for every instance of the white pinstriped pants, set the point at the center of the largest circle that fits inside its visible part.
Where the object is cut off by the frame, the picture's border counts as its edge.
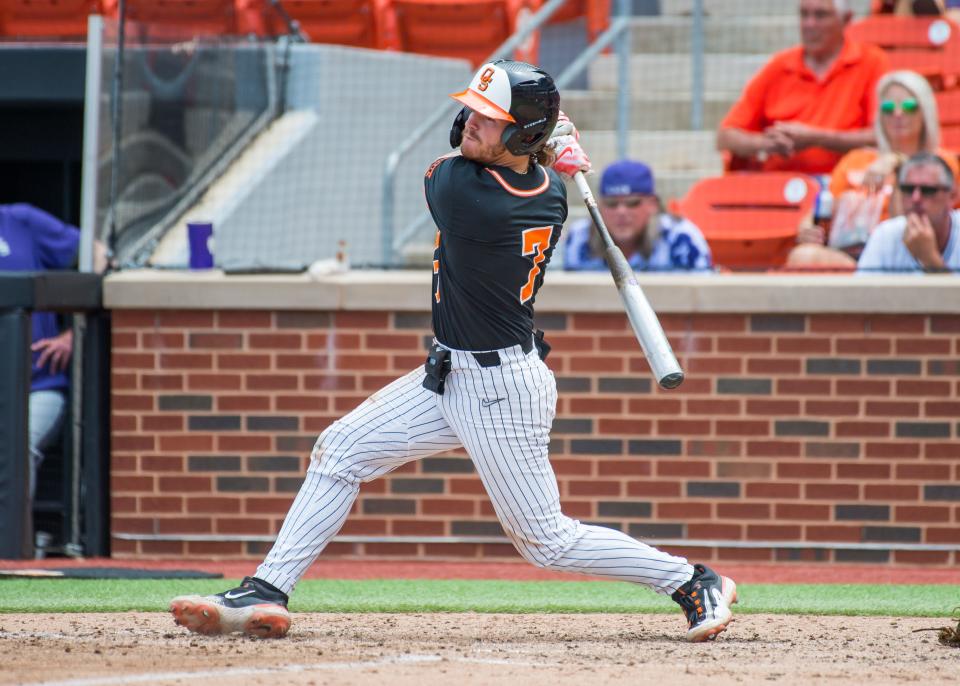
(502, 416)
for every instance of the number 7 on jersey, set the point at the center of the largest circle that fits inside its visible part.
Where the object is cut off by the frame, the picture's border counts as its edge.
(535, 242)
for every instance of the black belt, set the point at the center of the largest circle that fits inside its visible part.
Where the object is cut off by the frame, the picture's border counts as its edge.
(492, 358)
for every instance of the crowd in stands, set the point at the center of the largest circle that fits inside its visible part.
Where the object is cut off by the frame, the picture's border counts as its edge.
(834, 109)
(847, 112)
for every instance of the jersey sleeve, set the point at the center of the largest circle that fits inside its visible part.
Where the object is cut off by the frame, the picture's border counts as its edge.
(874, 258)
(438, 186)
(747, 112)
(56, 242)
(556, 181)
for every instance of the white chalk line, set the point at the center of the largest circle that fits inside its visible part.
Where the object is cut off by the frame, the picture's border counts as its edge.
(285, 669)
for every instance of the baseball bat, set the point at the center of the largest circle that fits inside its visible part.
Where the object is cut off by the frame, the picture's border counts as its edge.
(642, 318)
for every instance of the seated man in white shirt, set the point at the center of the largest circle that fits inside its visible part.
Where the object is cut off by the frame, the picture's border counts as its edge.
(927, 236)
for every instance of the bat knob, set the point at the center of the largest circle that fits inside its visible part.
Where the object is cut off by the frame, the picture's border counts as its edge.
(671, 380)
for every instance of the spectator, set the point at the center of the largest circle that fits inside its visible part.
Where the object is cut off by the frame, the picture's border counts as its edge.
(810, 103)
(862, 184)
(32, 240)
(917, 8)
(927, 237)
(650, 239)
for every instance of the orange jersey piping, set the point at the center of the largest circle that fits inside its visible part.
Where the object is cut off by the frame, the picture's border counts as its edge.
(516, 191)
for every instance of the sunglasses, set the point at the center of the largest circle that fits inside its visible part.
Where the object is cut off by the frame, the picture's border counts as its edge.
(925, 191)
(614, 203)
(908, 106)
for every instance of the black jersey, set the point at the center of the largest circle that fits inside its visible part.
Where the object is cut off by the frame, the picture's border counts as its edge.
(496, 231)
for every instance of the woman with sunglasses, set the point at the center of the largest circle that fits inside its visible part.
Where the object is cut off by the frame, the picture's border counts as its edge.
(862, 184)
(650, 239)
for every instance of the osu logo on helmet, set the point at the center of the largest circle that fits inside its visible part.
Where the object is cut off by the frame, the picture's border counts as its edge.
(485, 78)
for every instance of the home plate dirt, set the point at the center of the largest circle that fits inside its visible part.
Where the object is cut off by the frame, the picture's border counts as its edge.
(465, 649)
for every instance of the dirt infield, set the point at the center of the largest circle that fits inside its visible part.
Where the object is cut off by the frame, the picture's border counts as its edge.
(466, 649)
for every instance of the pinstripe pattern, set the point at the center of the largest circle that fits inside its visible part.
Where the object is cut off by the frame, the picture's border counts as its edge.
(502, 415)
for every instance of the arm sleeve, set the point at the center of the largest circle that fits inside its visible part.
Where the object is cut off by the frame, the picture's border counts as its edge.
(839, 181)
(747, 112)
(871, 260)
(437, 188)
(56, 241)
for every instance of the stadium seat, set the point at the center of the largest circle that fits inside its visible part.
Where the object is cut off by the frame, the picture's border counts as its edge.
(948, 107)
(467, 29)
(193, 17)
(342, 22)
(61, 19)
(597, 13)
(750, 219)
(928, 45)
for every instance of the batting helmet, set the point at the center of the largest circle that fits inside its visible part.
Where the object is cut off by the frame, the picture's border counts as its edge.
(517, 92)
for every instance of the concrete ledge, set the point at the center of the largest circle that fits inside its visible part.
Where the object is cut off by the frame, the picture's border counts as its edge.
(564, 292)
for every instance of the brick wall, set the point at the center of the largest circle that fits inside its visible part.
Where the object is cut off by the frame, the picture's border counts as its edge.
(789, 428)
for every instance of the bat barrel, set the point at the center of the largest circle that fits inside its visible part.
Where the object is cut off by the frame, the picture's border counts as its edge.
(643, 320)
(654, 342)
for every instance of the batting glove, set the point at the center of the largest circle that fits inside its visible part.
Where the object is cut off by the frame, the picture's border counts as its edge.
(571, 158)
(564, 127)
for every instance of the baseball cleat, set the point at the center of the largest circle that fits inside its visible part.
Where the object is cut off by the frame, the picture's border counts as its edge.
(254, 608)
(706, 601)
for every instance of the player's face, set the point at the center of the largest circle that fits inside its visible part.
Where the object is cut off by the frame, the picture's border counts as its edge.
(626, 216)
(481, 139)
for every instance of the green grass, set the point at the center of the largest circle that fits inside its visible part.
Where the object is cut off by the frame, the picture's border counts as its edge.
(74, 595)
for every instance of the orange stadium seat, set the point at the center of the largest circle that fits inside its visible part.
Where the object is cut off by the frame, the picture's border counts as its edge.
(750, 219)
(197, 17)
(343, 22)
(597, 13)
(46, 18)
(948, 106)
(928, 45)
(468, 29)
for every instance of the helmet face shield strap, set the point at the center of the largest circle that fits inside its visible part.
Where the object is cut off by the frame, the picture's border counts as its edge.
(516, 92)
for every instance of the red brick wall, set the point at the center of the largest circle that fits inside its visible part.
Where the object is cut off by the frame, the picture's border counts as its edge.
(841, 428)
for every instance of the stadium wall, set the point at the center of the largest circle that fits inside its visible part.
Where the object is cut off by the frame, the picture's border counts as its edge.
(818, 421)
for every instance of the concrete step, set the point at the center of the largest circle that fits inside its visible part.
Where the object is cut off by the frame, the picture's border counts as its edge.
(667, 111)
(674, 34)
(652, 75)
(666, 152)
(747, 8)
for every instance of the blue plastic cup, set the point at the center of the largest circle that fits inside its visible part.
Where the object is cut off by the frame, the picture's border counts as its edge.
(200, 236)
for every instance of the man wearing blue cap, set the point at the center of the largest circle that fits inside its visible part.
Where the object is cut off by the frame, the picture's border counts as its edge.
(651, 239)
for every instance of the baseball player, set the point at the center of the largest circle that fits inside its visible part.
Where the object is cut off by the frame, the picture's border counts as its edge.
(498, 208)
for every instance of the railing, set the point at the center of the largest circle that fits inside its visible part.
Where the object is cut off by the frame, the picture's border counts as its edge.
(390, 245)
(619, 31)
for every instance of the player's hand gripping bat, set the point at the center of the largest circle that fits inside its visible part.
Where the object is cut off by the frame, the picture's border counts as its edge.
(642, 318)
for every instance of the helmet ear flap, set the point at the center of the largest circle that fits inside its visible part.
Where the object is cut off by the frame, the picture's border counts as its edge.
(456, 130)
(510, 137)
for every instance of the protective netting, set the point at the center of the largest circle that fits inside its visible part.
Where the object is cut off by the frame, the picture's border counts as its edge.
(183, 108)
(284, 147)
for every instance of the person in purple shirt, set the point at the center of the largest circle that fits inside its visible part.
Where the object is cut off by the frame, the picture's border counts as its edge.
(32, 240)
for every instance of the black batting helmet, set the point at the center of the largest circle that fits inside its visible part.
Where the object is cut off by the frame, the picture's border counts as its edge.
(519, 93)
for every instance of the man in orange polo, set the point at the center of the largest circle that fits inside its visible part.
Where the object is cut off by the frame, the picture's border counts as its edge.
(811, 103)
